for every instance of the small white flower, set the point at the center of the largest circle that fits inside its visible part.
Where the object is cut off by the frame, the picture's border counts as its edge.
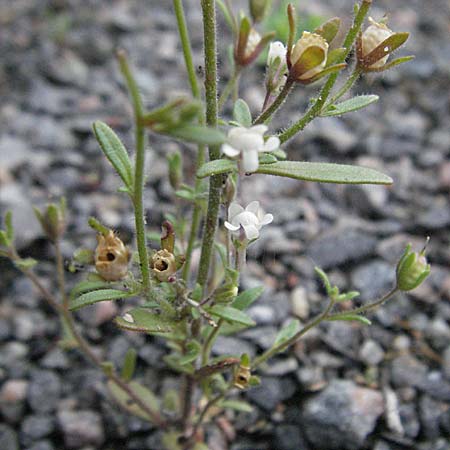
(249, 142)
(251, 219)
(254, 38)
(276, 50)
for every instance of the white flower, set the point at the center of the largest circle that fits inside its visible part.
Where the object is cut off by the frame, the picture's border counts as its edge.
(251, 219)
(276, 50)
(372, 37)
(254, 38)
(249, 142)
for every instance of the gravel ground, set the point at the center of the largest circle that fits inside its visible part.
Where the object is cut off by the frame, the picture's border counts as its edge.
(344, 386)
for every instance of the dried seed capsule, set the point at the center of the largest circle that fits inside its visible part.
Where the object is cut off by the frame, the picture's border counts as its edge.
(164, 265)
(111, 257)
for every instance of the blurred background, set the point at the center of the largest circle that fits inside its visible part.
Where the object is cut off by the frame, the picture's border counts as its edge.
(344, 386)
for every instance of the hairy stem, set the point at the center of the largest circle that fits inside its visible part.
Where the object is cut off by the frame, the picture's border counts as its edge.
(316, 108)
(279, 100)
(138, 170)
(346, 86)
(229, 88)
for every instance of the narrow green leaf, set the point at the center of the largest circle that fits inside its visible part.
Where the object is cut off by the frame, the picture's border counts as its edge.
(9, 226)
(246, 298)
(335, 55)
(392, 64)
(287, 332)
(329, 29)
(87, 286)
(129, 364)
(4, 239)
(237, 405)
(25, 263)
(147, 321)
(347, 296)
(101, 295)
(352, 104)
(115, 151)
(216, 167)
(173, 362)
(231, 314)
(325, 172)
(267, 158)
(324, 277)
(192, 351)
(242, 114)
(350, 317)
(127, 403)
(198, 134)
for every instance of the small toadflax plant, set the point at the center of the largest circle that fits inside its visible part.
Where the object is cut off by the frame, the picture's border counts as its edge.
(165, 294)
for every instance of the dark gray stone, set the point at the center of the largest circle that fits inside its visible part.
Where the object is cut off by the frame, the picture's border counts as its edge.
(44, 391)
(8, 438)
(409, 419)
(406, 371)
(373, 279)
(271, 392)
(229, 345)
(341, 246)
(429, 412)
(42, 445)
(341, 416)
(288, 437)
(36, 427)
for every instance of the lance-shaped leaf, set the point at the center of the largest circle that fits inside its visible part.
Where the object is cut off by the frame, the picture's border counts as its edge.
(87, 286)
(236, 405)
(391, 64)
(287, 332)
(246, 298)
(216, 167)
(325, 172)
(352, 104)
(329, 29)
(115, 151)
(242, 114)
(193, 349)
(127, 403)
(198, 134)
(350, 318)
(101, 295)
(146, 321)
(231, 314)
(129, 364)
(266, 158)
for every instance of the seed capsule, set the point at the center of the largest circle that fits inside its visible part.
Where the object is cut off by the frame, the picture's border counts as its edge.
(412, 269)
(111, 257)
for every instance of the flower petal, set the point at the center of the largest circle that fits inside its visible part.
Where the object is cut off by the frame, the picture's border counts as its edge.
(251, 232)
(253, 207)
(230, 226)
(268, 218)
(250, 161)
(234, 209)
(271, 144)
(230, 151)
(259, 129)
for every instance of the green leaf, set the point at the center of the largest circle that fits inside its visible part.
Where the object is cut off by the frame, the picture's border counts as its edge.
(242, 114)
(392, 64)
(115, 151)
(350, 317)
(129, 364)
(246, 298)
(127, 403)
(25, 263)
(347, 296)
(237, 405)
(147, 321)
(9, 226)
(173, 362)
(100, 295)
(324, 277)
(352, 104)
(216, 167)
(329, 29)
(87, 286)
(231, 314)
(325, 172)
(198, 134)
(4, 239)
(84, 256)
(192, 351)
(287, 332)
(267, 158)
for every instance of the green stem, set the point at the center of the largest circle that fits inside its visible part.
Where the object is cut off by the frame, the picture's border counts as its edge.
(186, 45)
(317, 107)
(347, 86)
(138, 170)
(207, 407)
(366, 308)
(210, 342)
(279, 100)
(229, 88)
(283, 346)
(215, 184)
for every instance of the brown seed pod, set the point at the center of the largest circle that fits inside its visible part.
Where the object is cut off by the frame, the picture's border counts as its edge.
(111, 257)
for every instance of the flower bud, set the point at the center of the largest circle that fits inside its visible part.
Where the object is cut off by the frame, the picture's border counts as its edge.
(372, 37)
(242, 373)
(164, 265)
(175, 163)
(412, 269)
(308, 57)
(258, 9)
(53, 219)
(111, 257)
(276, 50)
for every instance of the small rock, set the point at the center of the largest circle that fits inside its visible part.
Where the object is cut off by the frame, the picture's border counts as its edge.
(288, 437)
(13, 152)
(406, 371)
(44, 391)
(8, 438)
(36, 427)
(446, 362)
(300, 304)
(429, 412)
(409, 419)
(229, 345)
(280, 367)
(341, 246)
(67, 69)
(55, 359)
(373, 279)
(371, 353)
(264, 336)
(341, 416)
(271, 392)
(13, 391)
(437, 217)
(42, 445)
(81, 428)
